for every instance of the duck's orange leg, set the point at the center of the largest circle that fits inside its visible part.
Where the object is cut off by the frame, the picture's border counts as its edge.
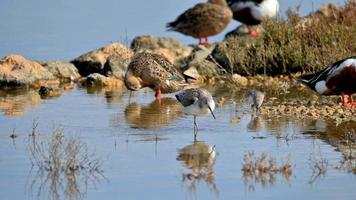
(158, 94)
(252, 32)
(203, 41)
(343, 100)
(351, 101)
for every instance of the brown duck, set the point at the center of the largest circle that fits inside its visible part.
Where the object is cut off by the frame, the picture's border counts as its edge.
(155, 71)
(203, 20)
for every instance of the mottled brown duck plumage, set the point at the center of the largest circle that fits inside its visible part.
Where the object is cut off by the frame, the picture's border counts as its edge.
(155, 71)
(203, 20)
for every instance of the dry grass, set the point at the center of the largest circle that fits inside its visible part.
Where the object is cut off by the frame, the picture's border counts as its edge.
(319, 166)
(293, 45)
(263, 169)
(63, 164)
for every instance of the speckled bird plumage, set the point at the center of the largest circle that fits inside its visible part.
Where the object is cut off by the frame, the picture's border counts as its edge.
(203, 20)
(155, 71)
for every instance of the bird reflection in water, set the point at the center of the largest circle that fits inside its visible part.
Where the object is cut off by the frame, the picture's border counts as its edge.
(200, 159)
(256, 124)
(154, 115)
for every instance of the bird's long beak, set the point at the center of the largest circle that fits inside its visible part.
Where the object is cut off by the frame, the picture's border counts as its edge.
(211, 112)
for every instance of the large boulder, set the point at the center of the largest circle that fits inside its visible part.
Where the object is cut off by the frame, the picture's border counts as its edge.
(94, 61)
(116, 67)
(64, 71)
(171, 48)
(201, 61)
(16, 70)
(96, 79)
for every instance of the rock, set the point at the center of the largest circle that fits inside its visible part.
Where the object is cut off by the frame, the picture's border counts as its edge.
(49, 92)
(64, 71)
(201, 60)
(242, 31)
(94, 61)
(96, 79)
(16, 70)
(116, 67)
(171, 48)
(240, 80)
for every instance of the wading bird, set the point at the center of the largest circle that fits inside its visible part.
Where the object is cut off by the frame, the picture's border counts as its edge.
(253, 12)
(155, 71)
(203, 20)
(196, 101)
(337, 79)
(256, 98)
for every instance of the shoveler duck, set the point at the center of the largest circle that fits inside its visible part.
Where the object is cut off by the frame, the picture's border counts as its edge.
(337, 79)
(203, 20)
(196, 101)
(155, 71)
(253, 12)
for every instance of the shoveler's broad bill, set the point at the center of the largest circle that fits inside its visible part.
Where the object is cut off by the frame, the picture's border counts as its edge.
(196, 101)
(154, 71)
(203, 20)
(337, 79)
(253, 12)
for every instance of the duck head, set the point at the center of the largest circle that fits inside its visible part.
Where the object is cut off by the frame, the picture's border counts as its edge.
(132, 82)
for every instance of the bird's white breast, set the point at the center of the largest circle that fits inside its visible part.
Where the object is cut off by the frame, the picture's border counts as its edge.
(267, 9)
(195, 109)
(320, 87)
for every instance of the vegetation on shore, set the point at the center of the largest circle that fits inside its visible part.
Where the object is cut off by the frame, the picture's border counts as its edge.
(295, 44)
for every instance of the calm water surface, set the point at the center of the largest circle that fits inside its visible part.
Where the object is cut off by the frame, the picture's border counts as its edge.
(148, 149)
(65, 29)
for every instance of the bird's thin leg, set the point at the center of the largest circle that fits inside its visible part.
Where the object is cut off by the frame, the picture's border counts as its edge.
(343, 99)
(130, 96)
(195, 127)
(351, 101)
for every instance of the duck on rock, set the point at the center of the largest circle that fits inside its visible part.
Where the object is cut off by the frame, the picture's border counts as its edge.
(203, 20)
(337, 79)
(253, 12)
(155, 71)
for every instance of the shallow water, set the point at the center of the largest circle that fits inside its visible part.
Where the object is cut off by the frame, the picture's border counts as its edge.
(147, 150)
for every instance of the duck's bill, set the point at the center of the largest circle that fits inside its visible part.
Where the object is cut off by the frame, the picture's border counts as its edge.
(211, 111)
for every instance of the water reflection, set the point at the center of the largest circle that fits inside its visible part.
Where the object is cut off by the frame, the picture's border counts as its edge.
(342, 137)
(154, 115)
(263, 169)
(256, 124)
(16, 102)
(113, 95)
(199, 158)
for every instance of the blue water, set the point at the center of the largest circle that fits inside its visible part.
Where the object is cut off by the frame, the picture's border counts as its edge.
(65, 29)
(121, 132)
